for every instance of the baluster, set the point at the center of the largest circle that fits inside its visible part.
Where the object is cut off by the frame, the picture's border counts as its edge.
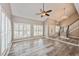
(67, 32)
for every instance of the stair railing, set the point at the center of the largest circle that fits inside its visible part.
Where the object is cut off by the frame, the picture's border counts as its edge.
(72, 27)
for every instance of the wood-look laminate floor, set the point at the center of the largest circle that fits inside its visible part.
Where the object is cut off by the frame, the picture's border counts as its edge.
(43, 47)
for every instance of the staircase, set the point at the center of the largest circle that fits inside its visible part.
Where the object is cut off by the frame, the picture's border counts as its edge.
(73, 30)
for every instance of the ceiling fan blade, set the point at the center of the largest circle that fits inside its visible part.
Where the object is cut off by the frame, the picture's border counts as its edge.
(49, 11)
(47, 14)
(38, 13)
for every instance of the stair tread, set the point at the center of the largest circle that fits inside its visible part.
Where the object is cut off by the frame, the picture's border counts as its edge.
(76, 37)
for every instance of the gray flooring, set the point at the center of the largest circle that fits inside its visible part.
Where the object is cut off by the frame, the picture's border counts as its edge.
(43, 47)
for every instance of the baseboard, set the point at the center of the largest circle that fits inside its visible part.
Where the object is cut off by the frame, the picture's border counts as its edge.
(24, 39)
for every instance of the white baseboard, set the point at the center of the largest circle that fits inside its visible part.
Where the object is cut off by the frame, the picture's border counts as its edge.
(24, 39)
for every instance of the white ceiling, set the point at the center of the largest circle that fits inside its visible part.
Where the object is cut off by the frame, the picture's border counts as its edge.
(29, 10)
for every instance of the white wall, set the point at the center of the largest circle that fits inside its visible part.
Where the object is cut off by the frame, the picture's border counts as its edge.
(70, 20)
(19, 19)
(77, 7)
(45, 28)
(49, 27)
(7, 8)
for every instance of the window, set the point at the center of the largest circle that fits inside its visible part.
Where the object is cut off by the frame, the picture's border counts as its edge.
(8, 30)
(16, 28)
(21, 30)
(5, 31)
(65, 29)
(38, 30)
(57, 29)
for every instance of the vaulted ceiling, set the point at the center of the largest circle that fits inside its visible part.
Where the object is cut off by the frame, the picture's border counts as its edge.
(29, 10)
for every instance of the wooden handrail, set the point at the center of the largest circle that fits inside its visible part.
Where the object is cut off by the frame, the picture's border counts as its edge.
(74, 22)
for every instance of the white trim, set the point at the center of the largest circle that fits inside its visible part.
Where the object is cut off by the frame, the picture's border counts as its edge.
(24, 39)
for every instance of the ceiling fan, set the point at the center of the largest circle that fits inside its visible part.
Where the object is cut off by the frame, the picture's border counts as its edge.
(43, 12)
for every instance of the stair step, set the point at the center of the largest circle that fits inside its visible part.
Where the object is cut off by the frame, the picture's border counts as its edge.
(74, 37)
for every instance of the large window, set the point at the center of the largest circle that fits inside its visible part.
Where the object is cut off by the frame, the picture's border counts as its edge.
(5, 31)
(27, 30)
(21, 30)
(57, 29)
(38, 30)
